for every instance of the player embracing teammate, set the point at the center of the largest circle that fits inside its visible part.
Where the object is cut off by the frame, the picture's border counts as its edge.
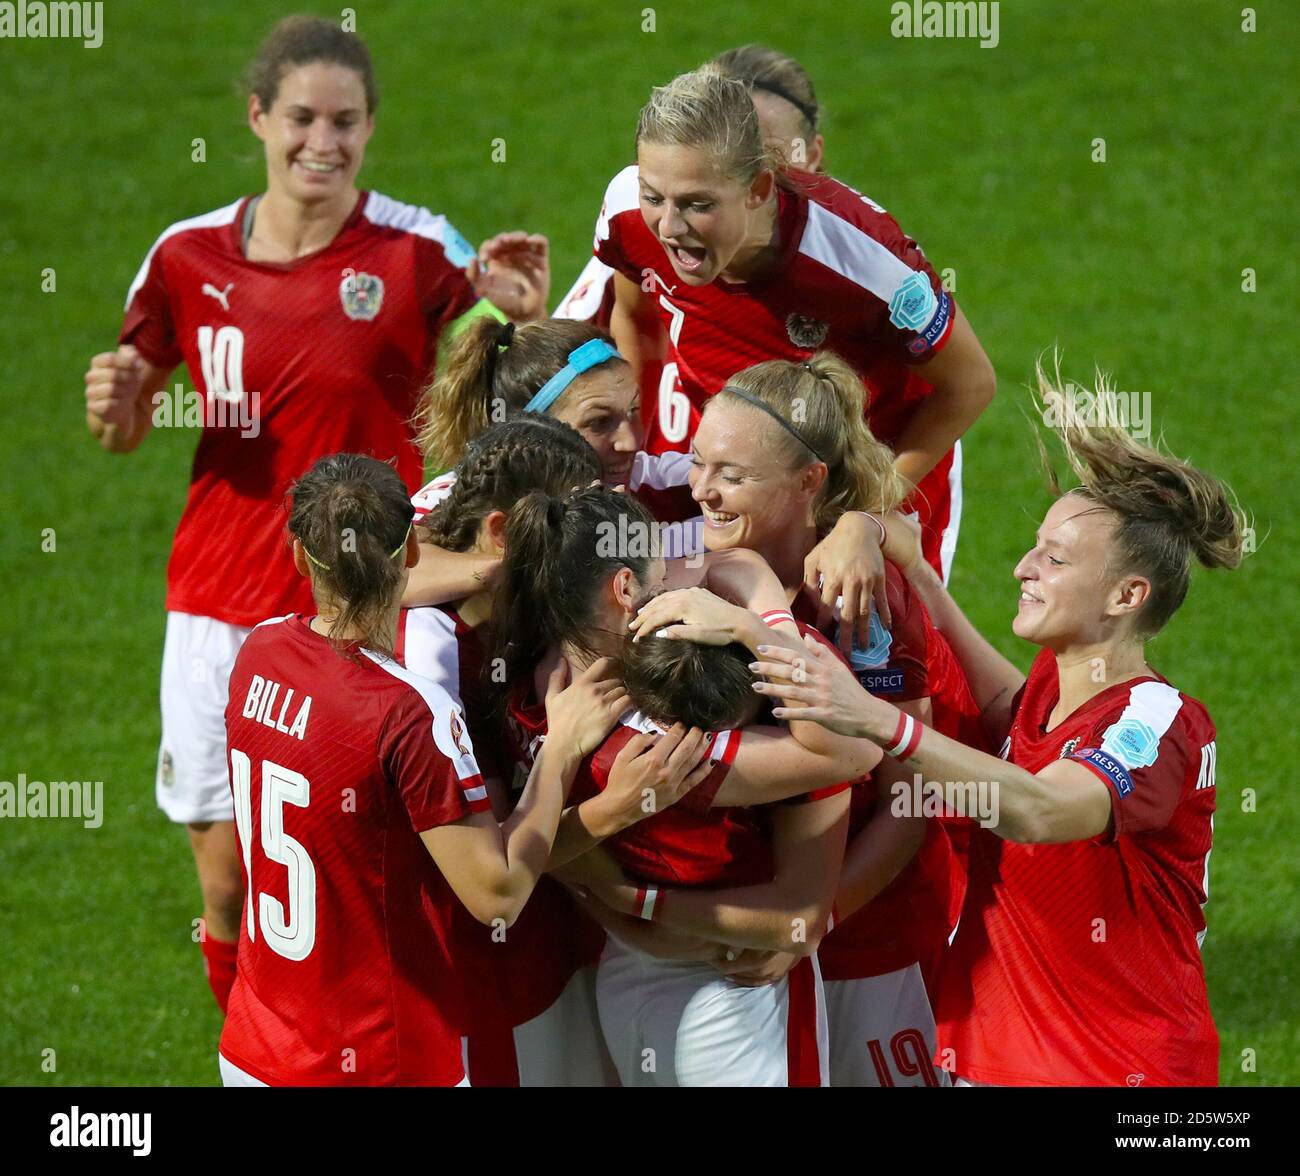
(725, 256)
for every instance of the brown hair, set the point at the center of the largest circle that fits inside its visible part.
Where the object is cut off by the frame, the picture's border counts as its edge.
(823, 402)
(707, 109)
(493, 368)
(352, 515)
(1168, 510)
(526, 452)
(672, 680)
(560, 553)
(305, 40)
(761, 68)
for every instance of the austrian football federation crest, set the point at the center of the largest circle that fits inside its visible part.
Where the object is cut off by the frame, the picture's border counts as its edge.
(805, 331)
(362, 295)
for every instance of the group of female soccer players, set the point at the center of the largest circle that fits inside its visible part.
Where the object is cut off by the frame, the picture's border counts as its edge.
(600, 758)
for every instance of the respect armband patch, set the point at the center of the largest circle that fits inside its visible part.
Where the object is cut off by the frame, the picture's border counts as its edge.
(937, 330)
(1106, 764)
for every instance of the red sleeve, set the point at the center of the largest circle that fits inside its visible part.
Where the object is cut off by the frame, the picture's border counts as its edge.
(910, 634)
(428, 756)
(722, 750)
(610, 251)
(1148, 774)
(622, 201)
(148, 325)
(921, 311)
(444, 291)
(819, 793)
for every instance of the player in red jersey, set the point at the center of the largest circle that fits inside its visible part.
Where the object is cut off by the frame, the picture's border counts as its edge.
(308, 317)
(788, 114)
(737, 259)
(574, 569)
(571, 372)
(1077, 959)
(781, 453)
(342, 763)
(530, 1015)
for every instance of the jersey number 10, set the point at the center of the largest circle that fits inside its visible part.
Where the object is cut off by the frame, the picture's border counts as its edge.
(221, 353)
(290, 933)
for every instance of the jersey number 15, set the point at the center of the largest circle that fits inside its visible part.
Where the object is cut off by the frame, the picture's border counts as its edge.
(291, 933)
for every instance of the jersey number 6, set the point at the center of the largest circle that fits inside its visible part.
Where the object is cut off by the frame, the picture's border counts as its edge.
(674, 407)
(291, 934)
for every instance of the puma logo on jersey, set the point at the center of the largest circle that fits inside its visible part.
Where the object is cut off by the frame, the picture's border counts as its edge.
(220, 295)
(653, 274)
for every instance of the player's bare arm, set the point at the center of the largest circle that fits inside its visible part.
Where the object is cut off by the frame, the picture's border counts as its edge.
(964, 385)
(882, 848)
(635, 324)
(649, 774)
(1064, 802)
(442, 576)
(120, 387)
(789, 913)
(492, 867)
(993, 679)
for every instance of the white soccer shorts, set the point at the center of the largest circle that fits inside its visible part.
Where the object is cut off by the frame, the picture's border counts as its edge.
(882, 1031)
(670, 1023)
(193, 781)
(562, 1046)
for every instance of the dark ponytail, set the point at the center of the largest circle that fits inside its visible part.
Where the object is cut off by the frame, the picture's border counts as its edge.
(560, 554)
(352, 515)
(526, 452)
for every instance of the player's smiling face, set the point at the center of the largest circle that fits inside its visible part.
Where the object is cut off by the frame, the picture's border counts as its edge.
(315, 132)
(747, 497)
(604, 405)
(704, 219)
(1068, 595)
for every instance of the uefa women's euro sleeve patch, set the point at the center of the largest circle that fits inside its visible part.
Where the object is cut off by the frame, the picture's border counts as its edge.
(1143, 755)
(915, 306)
(459, 251)
(1126, 746)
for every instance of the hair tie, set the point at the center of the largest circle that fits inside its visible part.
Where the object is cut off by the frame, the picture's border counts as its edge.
(809, 112)
(506, 335)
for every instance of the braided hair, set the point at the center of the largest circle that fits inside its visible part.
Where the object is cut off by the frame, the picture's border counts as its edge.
(527, 451)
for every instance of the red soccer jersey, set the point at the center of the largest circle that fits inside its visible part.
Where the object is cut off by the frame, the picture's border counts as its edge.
(1080, 964)
(438, 644)
(908, 921)
(848, 278)
(688, 844)
(323, 355)
(337, 766)
(895, 666)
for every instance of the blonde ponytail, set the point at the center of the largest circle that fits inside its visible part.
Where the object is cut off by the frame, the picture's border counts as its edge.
(823, 402)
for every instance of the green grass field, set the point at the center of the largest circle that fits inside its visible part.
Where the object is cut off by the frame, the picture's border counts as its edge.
(983, 154)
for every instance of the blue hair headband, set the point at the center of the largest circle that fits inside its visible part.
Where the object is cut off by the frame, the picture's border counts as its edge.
(581, 359)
